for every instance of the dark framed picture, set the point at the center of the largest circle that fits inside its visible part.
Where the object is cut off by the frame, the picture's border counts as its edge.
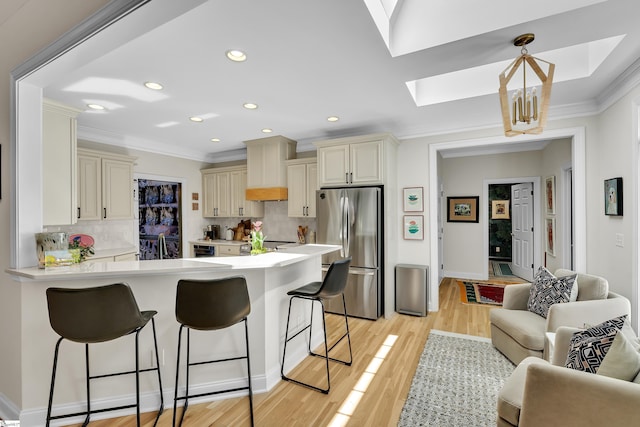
(613, 196)
(462, 209)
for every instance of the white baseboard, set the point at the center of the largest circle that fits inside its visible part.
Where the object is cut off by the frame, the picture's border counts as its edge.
(464, 275)
(8, 409)
(149, 402)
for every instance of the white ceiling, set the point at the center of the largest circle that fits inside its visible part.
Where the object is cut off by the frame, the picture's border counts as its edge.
(356, 59)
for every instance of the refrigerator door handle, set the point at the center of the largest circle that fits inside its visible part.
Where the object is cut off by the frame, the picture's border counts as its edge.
(362, 271)
(345, 224)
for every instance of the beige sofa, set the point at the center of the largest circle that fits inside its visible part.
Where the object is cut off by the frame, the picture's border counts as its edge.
(518, 333)
(539, 393)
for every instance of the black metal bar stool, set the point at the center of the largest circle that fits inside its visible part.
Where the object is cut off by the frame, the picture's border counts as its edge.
(94, 315)
(333, 285)
(208, 305)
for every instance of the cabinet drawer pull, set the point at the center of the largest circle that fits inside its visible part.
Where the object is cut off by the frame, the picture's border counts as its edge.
(78, 212)
(104, 216)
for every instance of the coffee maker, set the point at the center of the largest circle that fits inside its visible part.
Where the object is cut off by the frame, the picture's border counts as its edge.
(213, 232)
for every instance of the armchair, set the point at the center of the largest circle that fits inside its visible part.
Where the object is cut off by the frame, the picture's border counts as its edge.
(539, 393)
(518, 333)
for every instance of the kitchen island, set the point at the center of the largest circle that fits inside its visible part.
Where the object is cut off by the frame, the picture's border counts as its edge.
(269, 277)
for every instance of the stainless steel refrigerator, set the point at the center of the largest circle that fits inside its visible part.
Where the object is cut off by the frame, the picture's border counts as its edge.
(352, 218)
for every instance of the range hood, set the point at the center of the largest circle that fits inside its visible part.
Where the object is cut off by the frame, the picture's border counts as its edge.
(266, 167)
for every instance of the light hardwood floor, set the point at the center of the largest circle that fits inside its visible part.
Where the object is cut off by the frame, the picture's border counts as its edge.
(289, 404)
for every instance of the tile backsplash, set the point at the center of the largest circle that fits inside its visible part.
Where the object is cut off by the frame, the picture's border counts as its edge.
(276, 223)
(114, 234)
(120, 233)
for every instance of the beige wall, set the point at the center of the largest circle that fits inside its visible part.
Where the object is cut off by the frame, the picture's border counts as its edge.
(32, 26)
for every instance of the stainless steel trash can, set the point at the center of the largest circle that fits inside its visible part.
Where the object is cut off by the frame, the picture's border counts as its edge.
(412, 290)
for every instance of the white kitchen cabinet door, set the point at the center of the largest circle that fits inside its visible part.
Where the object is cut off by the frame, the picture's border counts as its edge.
(117, 190)
(59, 164)
(222, 196)
(302, 180)
(366, 163)
(312, 187)
(208, 195)
(297, 189)
(89, 187)
(334, 165)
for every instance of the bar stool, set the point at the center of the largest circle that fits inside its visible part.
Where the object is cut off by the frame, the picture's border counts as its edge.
(94, 315)
(208, 305)
(333, 285)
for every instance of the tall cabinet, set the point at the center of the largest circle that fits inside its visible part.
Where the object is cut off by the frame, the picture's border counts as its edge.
(59, 167)
(105, 185)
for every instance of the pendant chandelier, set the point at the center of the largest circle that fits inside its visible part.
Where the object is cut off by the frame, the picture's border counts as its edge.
(525, 100)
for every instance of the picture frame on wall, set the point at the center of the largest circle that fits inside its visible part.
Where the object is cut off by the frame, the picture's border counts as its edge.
(412, 199)
(613, 197)
(500, 209)
(550, 233)
(413, 227)
(550, 194)
(462, 209)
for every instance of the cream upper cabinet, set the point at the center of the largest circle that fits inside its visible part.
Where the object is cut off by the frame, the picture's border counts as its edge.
(89, 186)
(224, 193)
(302, 180)
(105, 185)
(59, 164)
(352, 161)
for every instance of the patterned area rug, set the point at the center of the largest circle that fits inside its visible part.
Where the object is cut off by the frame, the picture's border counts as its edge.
(456, 382)
(481, 293)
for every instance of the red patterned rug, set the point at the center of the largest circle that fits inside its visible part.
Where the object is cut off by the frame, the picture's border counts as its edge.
(481, 293)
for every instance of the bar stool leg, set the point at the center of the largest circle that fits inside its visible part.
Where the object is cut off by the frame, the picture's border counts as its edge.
(246, 332)
(53, 380)
(88, 377)
(155, 346)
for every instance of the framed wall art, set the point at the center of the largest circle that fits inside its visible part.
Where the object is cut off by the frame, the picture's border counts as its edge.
(413, 227)
(613, 196)
(550, 194)
(462, 209)
(550, 233)
(412, 199)
(500, 209)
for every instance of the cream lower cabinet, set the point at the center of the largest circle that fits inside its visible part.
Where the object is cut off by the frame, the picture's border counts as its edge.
(224, 194)
(302, 183)
(105, 186)
(351, 161)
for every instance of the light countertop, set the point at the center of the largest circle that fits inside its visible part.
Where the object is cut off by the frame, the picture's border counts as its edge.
(80, 271)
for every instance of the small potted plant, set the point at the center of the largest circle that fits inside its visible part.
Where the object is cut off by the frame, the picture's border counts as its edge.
(257, 239)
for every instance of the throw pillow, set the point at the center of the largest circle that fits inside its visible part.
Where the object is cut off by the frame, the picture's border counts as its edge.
(622, 360)
(547, 290)
(588, 348)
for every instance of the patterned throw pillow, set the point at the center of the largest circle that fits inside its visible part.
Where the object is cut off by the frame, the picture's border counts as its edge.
(547, 290)
(588, 348)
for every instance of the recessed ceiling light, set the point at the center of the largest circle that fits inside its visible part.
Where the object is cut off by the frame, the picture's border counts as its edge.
(333, 118)
(236, 55)
(196, 119)
(215, 139)
(154, 85)
(267, 130)
(250, 105)
(95, 106)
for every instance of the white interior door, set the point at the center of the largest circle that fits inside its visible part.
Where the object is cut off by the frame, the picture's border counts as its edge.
(522, 230)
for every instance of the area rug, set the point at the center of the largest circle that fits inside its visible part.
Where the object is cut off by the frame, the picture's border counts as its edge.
(501, 268)
(456, 382)
(481, 293)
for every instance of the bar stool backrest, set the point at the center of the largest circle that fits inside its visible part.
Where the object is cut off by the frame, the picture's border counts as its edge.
(91, 315)
(212, 304)
(336, 278)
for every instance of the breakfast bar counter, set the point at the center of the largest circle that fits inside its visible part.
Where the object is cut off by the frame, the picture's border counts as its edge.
(269, 277)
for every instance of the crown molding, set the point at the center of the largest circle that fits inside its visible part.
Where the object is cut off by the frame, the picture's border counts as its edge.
(622, 85)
